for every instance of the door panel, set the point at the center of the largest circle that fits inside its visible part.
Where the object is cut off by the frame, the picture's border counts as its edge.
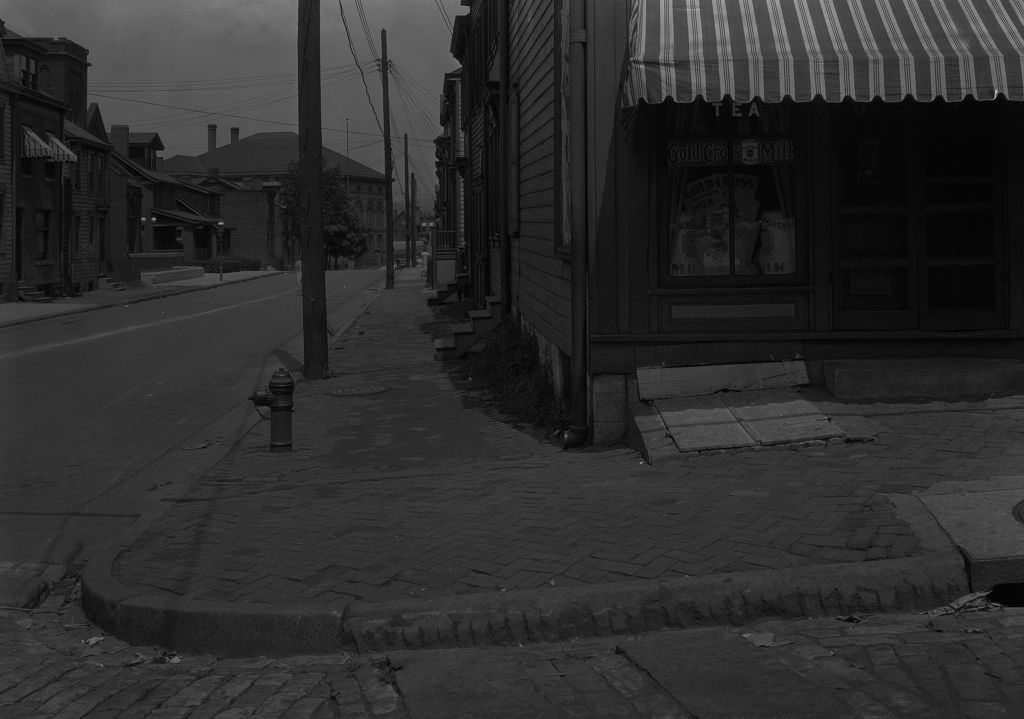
(918, 240)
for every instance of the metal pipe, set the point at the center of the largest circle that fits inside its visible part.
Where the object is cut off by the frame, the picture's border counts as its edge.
(506, 157)
(579, 411)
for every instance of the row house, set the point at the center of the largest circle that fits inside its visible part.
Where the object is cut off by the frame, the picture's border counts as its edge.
(448, 236)
(81, 204)
(657, 186)
(249, 173)
(35, 191)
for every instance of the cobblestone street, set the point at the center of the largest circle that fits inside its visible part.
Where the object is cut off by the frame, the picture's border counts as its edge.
(938, 664)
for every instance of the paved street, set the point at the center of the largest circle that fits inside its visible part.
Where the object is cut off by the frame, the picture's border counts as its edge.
(966, 665)
(93, 399)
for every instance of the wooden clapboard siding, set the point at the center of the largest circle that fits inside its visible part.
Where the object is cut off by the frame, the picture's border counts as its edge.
(540, 274)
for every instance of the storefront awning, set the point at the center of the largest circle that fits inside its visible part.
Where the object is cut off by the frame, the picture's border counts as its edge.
(33, 146)
(61, 152)
(861, 49)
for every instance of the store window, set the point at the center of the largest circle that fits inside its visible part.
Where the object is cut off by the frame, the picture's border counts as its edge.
(730, 195)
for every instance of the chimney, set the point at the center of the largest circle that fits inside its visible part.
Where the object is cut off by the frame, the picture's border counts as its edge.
(234, 135)
(119, 138)
(211, 138)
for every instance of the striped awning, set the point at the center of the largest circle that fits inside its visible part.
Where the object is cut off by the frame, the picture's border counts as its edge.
(836, 49)
(33, 146)
(60, 151)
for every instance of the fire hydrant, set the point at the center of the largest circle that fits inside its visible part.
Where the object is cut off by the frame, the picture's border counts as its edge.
(278, 396)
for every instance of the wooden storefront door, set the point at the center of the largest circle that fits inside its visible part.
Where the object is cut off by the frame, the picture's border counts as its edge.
(918, 236)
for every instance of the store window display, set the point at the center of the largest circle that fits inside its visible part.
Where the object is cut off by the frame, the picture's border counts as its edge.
(730, 191)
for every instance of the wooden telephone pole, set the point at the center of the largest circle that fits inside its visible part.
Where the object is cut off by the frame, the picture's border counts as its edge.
(389, 232)
(411, 247)
(408, 208)
(311, 226)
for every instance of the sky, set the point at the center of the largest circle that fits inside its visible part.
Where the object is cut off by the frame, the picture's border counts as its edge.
(175, 67)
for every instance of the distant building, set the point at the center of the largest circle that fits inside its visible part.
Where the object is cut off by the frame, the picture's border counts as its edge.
(167, 221)
(35, 193)
(249, 172)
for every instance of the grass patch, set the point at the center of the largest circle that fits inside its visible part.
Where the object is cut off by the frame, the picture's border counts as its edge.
(508, 371)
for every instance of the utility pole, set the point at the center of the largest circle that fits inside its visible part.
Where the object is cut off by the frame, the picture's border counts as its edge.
(408, 219)
(311, 226)
(389, 220)
(412, 222)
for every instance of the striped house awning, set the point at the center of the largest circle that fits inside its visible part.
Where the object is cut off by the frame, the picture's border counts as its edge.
(34, 147)
(60, 151)
(836, 49)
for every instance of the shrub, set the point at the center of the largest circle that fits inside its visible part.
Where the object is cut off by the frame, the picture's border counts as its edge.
(509, 370)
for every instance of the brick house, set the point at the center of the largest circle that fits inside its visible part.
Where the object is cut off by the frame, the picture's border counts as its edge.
(35, 187)
(249, 172)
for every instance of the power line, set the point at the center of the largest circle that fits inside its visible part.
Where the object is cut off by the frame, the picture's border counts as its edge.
(444, 14)
(352, 49)
(366, 30)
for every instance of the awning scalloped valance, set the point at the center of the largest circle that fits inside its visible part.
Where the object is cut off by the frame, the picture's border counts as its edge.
(833, 49)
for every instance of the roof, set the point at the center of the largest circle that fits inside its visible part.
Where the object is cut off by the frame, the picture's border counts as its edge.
(183, 165)
(80, 134)
(188, 217)
(271, 153)
(145, 138)
(835, 49)
(144, 172)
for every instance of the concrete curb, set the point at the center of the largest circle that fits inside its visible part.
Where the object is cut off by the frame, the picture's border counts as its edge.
(142, 616)
(136, 300)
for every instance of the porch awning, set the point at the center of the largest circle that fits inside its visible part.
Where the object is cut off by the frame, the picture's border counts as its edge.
(61, 152)
(861, 49)
(33, 146)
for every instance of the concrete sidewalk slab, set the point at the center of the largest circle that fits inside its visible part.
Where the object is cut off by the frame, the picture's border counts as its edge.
(416, 516)
(987, 528)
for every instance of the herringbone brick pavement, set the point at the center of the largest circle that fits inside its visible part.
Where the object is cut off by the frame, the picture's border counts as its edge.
(404, 485)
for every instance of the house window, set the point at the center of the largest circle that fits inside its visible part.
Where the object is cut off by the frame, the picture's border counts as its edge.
(51, 170)
(26, 71)
(76, 228)
(42, 235)
(728, 192)
(101, 227)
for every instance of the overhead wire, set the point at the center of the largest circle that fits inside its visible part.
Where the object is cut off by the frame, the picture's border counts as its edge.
(186, 117)
(355, 58)
(444, 14)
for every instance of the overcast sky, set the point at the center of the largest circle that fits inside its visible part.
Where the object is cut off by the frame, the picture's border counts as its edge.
(233, 63)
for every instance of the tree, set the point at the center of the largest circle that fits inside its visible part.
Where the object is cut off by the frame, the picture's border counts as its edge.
(343, 235)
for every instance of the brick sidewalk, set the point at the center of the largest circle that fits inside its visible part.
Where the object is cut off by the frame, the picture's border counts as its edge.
(403, 487)
(399, 489)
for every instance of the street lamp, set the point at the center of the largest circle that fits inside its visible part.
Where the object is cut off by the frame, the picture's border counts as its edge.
(143, 221)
